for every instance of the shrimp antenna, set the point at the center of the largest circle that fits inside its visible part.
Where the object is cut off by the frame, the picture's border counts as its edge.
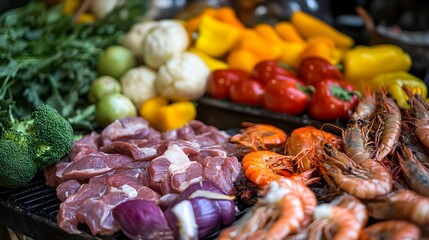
(331, 125)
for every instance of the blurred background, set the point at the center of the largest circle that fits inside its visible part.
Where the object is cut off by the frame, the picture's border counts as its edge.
(402, 22)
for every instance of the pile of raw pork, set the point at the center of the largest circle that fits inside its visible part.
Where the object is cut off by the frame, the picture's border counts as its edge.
(130, 160)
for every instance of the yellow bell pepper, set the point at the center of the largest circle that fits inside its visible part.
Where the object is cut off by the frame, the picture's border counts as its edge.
(364, 62)
(291, 52)
(323, 48)
(212, 63)
(70, 6)
(310, 26)
(191, 25)
(288, 32)
(164, 116)
(395, 82)
(216, 38)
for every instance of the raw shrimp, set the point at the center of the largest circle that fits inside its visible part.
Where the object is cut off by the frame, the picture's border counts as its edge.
(419, 108)
(415, 173)
(307, 196)
(259, 136)
(282, 211)
(333, 222)
(366, 108)
(392, 230)
(291, 218)
(305, 144)
(262, 167)
(354, 205)
(401, 204)
(366, 180)
(355, 141)
(391, 130)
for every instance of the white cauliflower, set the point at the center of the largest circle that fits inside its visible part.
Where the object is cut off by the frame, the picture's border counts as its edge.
(139, 84)
(183, 77)
(164, 41)
(101, 8)
(133, 40)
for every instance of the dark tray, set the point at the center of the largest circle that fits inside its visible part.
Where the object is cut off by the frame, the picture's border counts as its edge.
(32, 209)
(225, 114)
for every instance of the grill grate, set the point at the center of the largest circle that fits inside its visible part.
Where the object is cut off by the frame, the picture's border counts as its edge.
(32, 210)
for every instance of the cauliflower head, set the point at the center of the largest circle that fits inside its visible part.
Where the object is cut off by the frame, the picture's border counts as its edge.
(164, 41)
(183, 77)
(133, 39)
(139, 84)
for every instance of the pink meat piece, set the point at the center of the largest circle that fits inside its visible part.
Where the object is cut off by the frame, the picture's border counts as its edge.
(134, 151)
(166, 199)
(222, 171)
(54, 173)
(67, 215)
(131, 177)
(158, 168)
(165, 186)
(184, 133)
(67, 188)
(209, 151)
(219, 137)
(95, 164)
(122, 176)
(97, 213)
(116, 175)
(189, 148)
(125, 129)
(144, 177)
(184, 174)
(84, 146)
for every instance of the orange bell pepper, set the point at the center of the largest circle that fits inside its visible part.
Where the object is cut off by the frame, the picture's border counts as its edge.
(288, 32)
(310, 26)
(252, 41)
(242, 59)
(227, 15)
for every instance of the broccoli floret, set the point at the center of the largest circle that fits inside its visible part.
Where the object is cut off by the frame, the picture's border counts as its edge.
(52, 136)
(16, 165)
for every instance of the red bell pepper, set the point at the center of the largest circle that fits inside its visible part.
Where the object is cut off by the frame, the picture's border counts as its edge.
(286, 96)
(266, 70)
(314, 69)
(333, 99)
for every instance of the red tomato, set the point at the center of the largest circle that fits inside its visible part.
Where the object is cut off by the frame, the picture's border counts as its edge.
(266, 70)
(248, 91)
(285, 97)
(314, 69)
(220, 81)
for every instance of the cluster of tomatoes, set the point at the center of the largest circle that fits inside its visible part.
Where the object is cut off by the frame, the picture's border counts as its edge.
(316, 87)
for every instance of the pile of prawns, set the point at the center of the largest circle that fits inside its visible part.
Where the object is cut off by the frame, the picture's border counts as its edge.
(376, 175)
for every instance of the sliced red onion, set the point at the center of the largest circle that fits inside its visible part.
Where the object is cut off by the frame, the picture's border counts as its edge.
(185, 216)
(213, 209)
(142, 219)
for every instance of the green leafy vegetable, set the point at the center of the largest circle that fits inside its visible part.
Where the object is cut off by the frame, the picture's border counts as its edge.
(47, 59)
